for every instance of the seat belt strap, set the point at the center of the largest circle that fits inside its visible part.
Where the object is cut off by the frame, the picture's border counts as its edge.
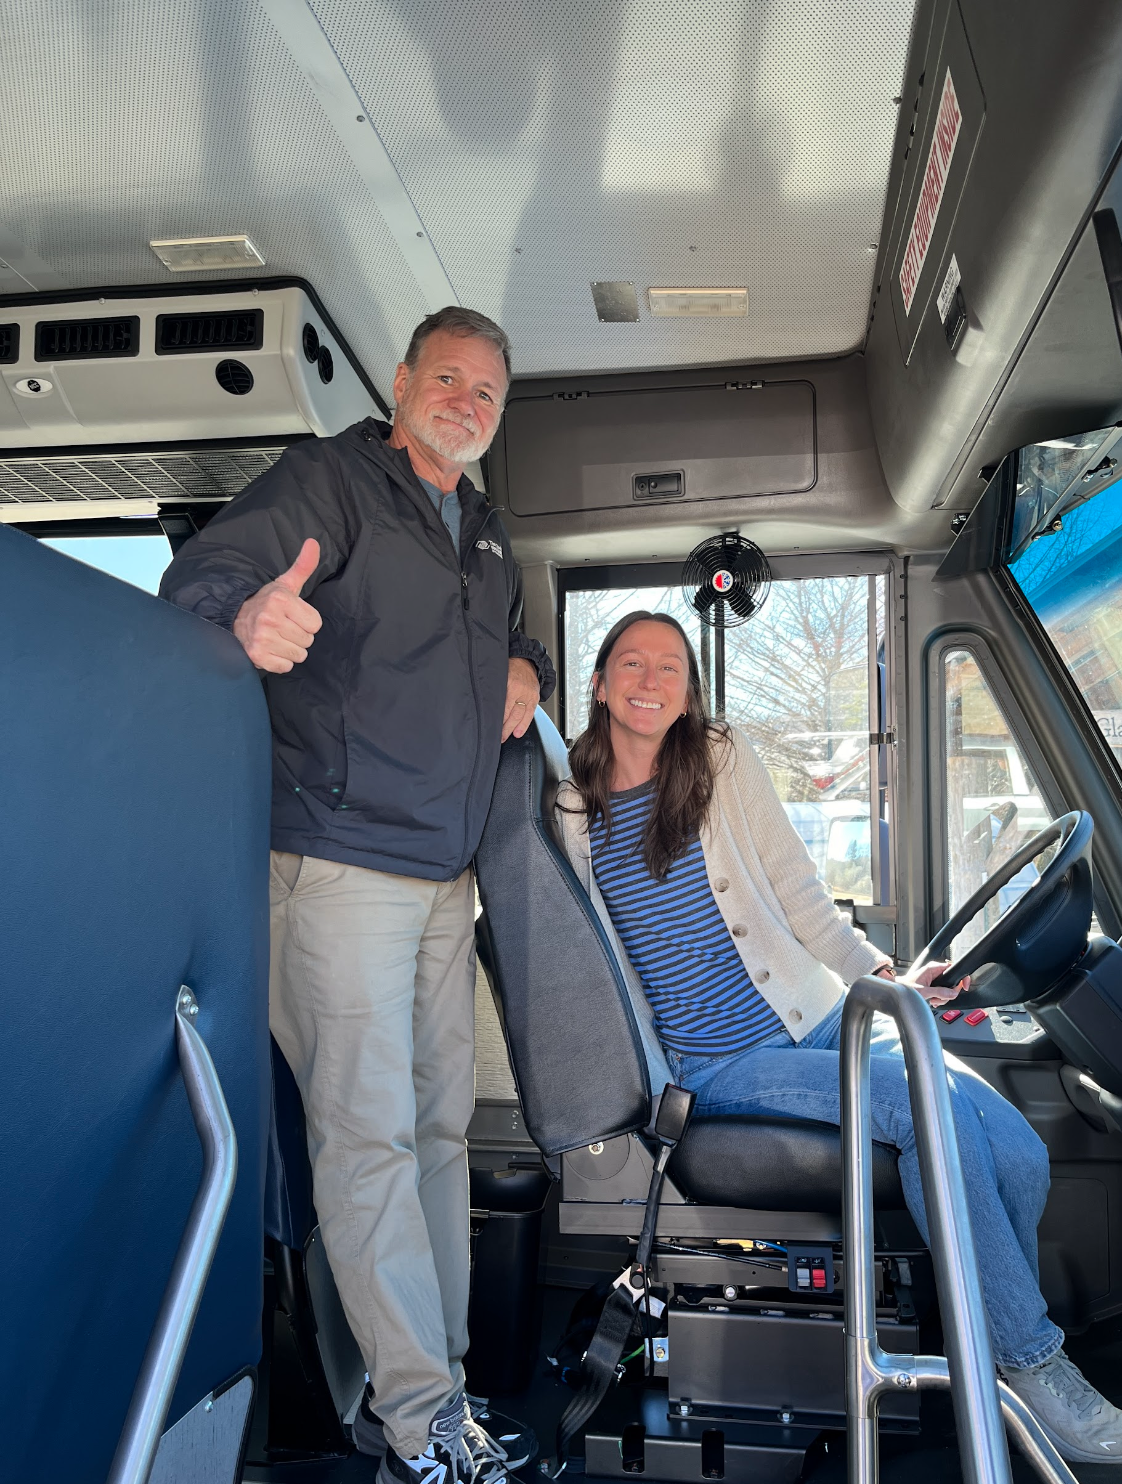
(599, 1366)
(606, 1346)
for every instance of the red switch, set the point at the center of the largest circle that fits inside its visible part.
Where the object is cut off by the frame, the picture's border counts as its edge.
(951, 1015)
(818, 1277)
(976, 1017)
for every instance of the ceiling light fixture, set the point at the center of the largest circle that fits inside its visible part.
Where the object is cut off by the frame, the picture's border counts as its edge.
(198, 254)
(695, 303)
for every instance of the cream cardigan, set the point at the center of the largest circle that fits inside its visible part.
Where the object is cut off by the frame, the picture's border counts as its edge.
(799, 949)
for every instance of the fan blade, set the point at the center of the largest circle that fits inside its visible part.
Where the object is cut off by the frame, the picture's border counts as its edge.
(704, 598)
(741, 602)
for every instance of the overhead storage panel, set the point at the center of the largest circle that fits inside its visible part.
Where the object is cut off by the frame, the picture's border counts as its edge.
(610, 450)
(951, 110)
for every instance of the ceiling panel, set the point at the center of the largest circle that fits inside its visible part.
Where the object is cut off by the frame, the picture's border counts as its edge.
(180, 118)
(542, 146)
(546, 146)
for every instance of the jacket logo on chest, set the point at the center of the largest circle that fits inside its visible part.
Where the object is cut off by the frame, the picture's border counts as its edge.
(484, 545)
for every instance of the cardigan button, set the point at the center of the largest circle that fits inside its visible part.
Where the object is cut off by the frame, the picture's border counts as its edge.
(762, 977)
(739, 930)
(721, 884)
(794, 1016)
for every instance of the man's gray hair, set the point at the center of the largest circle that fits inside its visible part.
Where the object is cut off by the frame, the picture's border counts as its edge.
(457, 321)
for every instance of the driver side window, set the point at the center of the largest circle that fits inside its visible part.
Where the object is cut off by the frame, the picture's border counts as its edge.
(993, 804)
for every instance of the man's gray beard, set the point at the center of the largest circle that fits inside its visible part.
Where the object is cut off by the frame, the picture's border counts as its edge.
(456, 450)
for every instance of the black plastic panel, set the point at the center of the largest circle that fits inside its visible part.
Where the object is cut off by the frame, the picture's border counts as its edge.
(571, 453)
(196, 334)
(87, 339)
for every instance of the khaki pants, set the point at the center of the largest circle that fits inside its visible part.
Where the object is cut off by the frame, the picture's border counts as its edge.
(371, 999)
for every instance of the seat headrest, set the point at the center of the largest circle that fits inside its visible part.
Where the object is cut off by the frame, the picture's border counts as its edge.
(574, 1045)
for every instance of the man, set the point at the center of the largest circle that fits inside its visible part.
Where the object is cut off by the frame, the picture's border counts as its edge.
(369, 580)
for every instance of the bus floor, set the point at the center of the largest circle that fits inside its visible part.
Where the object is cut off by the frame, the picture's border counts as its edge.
(929, 1457)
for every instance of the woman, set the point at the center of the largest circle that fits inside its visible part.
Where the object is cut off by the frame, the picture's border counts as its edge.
(719, 916)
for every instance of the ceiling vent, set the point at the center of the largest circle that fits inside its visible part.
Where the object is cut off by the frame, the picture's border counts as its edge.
(156, 367)
(194, 334)
(66, 488)
(234, 377)
(9, 344)
(87, 339)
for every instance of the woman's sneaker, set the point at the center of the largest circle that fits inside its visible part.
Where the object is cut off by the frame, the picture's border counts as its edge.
(1083, 1425)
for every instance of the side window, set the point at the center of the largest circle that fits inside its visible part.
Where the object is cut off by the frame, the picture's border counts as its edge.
(802, 680)
(140, 560)
(993, 804)
(1066, 556)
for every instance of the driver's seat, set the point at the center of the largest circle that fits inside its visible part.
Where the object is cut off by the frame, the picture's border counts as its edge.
(754, 1366)
(584, 1068)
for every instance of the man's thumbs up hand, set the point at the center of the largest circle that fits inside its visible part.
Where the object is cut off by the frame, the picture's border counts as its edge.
(276, 627)
(302, 568)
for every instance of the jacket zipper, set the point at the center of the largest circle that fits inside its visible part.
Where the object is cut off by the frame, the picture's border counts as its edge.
(367, 437)
(464, 601)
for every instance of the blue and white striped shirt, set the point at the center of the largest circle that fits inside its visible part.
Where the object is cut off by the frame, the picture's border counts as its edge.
(702, 996)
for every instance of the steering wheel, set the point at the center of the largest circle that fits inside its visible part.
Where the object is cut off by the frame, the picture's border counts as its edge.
(1036, 939)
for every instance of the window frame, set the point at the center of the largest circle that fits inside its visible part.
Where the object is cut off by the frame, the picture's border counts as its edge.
(793, 567)
(936, 760)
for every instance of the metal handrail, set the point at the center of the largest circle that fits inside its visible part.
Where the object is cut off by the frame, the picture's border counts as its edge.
(969, 1370)
(159, 1371)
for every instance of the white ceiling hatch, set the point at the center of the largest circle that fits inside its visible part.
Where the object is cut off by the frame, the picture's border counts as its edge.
(504, 154)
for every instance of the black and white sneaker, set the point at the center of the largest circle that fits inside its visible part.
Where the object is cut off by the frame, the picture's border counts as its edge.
(446, 1461)
(494, 1436)
(513, 1442)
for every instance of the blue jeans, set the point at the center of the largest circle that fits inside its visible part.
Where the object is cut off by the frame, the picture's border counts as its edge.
(1003, 1160)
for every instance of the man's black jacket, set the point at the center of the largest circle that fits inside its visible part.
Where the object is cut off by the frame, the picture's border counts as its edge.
(386, 738)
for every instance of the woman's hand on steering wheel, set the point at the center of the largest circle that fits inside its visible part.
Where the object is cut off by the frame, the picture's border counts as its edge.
(935, 995)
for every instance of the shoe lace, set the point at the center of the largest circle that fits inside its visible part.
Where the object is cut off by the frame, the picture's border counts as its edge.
(1068, 1384)
(488, 1458)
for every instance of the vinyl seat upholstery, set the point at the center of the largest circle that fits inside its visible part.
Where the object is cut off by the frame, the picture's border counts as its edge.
(574, 1041)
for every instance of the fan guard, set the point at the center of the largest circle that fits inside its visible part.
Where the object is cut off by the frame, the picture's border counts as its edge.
(731, 578)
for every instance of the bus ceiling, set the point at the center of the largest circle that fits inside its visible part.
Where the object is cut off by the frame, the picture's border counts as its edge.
(891, 203)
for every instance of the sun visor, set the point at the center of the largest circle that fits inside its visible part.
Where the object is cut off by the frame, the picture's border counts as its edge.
(162, 366)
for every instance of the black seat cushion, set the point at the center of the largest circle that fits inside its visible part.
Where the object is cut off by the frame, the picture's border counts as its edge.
(773, 1164)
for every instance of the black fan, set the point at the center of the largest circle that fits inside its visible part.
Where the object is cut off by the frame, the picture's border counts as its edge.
(732, 578)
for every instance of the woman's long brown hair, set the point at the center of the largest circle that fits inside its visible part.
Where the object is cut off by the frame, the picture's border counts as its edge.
(684, 768)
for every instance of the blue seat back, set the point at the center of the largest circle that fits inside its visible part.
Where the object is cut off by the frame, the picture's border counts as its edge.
(134, 841)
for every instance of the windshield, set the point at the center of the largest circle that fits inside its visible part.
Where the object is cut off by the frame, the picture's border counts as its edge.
(1069, 567)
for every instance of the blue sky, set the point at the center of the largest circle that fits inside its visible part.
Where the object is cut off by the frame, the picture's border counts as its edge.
(137, 559)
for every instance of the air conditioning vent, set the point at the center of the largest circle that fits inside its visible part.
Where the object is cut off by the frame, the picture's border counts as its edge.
(187, 334)
(204, 474)
(87, 339)
(234, 377)
(9, 344)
